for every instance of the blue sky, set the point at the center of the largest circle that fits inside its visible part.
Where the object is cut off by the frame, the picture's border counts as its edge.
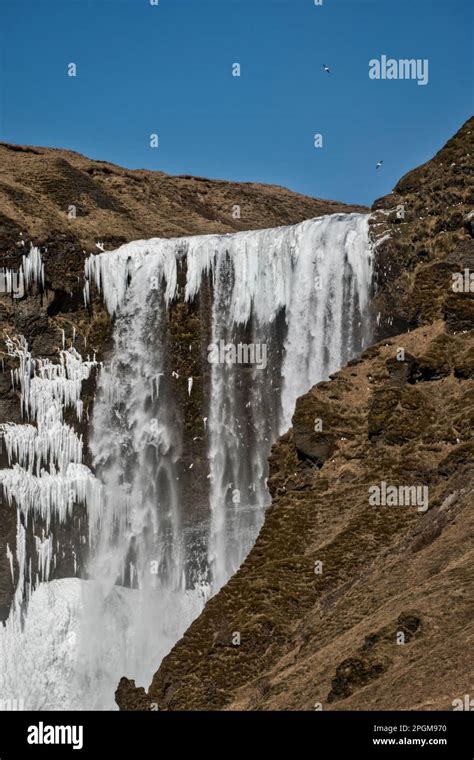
(167, 69)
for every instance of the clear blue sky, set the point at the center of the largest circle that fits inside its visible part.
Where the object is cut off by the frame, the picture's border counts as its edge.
(166, 69)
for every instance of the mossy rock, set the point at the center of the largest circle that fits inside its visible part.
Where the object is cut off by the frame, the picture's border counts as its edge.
(351, 675)
(460, 458)
(401, 371)
(459, 312)
(464, 365)
(438, 360)
(383, 404)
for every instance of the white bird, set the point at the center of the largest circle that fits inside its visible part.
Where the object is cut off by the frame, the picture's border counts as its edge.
(326, 68)
(379, 164)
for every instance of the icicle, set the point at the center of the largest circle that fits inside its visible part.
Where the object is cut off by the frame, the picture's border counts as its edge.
(10, 559)
(33, 268)
(44, 548)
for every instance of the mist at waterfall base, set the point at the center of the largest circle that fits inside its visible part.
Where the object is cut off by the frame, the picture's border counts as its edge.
(301, 291)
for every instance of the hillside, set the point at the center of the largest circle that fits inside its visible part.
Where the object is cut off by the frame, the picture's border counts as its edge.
(113, 205)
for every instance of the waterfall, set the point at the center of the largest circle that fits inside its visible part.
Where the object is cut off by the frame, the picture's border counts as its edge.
(287, 307)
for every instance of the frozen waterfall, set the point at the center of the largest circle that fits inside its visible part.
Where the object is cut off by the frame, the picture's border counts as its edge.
(286, 308)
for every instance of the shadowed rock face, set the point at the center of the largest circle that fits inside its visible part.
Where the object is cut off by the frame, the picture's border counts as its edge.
(39, 189)
(343, 603)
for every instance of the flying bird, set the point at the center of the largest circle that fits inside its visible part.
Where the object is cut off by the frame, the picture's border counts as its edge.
(326, 68)
(379, 164)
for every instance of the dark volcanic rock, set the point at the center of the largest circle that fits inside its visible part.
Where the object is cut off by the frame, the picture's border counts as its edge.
(131, 697)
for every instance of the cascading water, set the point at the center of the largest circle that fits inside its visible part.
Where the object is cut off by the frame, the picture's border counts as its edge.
(288, 308)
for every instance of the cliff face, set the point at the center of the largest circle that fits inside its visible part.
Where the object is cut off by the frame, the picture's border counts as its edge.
(65, 204)
(343, 604)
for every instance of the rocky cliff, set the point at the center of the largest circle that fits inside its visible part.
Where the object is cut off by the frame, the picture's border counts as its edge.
(343, 604)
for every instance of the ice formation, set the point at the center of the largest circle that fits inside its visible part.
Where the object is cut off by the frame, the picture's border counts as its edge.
(46, 477)
(31, 273)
